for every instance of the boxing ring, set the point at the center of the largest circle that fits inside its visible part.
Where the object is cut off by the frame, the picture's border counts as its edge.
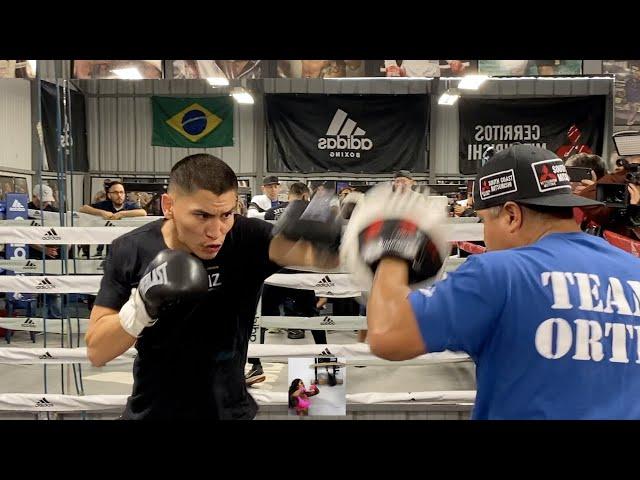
(432, 386)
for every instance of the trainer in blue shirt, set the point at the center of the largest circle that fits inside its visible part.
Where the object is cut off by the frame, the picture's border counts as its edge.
(550, 315)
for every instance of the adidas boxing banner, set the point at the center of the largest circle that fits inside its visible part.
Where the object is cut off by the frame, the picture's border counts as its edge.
(346, 133)
(565, 126)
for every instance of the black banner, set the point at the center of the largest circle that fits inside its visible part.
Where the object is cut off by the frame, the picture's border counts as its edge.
(346, 133)
(73, 129)
(565, 126)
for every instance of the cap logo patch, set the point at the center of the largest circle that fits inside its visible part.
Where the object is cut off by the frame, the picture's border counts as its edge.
(496, 184)
(551, 175)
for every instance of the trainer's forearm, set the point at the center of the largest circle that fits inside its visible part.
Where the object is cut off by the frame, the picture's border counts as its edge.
(106, 340)
(392, 329)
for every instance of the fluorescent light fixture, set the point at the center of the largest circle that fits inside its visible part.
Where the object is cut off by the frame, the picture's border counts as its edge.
(242, 96)
(127, 73)
(217, 81)
(472, 82)
(448, 98)
(627, 143)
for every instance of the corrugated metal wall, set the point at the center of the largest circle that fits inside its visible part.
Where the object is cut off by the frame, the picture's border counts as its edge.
(119, 127)
(15, 124)
(120, 122)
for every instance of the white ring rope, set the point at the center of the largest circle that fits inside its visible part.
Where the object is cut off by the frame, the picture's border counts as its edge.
(53, 267)
(45, 402)
(62, 235)
(327, 322)
(336, 285)
(354, 354)
(52, 219)
(96, 235)
(51, 284)
(36, 324)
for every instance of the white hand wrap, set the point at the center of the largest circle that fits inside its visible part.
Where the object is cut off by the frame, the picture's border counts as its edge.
(133, 315)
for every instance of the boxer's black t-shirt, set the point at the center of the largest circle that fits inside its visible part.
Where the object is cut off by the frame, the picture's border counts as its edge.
(190, 364)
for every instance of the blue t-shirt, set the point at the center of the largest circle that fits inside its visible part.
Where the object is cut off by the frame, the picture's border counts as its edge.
(108, 206)
(554, 328)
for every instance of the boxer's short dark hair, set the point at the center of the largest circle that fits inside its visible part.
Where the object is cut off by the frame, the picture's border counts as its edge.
(203, 172)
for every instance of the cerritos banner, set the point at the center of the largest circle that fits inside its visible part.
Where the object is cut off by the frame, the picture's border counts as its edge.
(565, 126)
(346, 133)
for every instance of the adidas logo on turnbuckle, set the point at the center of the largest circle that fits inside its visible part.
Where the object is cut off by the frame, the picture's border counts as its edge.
(43, 402)
(325, 282)
(46, 356)
(16, 206)
(344, 134)
(51, 235)
(29, 265)
(326, 352)
(45, 284)
(327, 321)
(109, 224)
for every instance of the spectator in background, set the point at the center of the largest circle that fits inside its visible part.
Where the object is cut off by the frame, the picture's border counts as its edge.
(403, 179)
(297, 191)
(116, 206)
(269, 199)
(586, 160)
(624, 221)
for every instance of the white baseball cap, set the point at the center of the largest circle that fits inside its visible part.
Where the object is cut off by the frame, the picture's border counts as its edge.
(44, 193)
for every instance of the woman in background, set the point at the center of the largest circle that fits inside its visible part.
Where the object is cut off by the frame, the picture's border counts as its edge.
(299, 397)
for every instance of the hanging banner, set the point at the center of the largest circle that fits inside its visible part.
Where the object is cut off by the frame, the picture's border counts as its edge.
(346, 133)
(565, 126)
(192, 122)
(73, 129)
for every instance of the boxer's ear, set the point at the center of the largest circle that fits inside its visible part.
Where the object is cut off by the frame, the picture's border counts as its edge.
(167, 202)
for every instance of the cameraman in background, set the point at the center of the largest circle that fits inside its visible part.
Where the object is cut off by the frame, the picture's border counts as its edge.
(620, 190)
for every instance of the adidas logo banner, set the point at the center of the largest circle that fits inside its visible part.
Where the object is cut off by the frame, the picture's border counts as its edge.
(63, 235)
(51, 234)
(325, 282)
(347, 133)
(52, 402)
(43, 402)
(327, 321)
(89, 284)
(337, 285)
(16, 206)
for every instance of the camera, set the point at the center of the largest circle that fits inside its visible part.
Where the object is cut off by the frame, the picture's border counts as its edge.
(632, 169)
(616, 195)
(613, 195)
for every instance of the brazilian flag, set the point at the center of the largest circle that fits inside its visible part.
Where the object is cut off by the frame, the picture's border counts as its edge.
(192, 122)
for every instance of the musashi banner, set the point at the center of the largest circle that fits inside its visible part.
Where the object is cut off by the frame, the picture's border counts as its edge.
(565, 126)
(346, 133)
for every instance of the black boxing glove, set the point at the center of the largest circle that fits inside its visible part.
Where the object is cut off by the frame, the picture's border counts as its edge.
(316, 222)
(173, 276)
(401, 239)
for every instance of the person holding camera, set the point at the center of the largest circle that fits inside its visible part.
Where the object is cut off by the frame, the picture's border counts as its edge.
(620, 191)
